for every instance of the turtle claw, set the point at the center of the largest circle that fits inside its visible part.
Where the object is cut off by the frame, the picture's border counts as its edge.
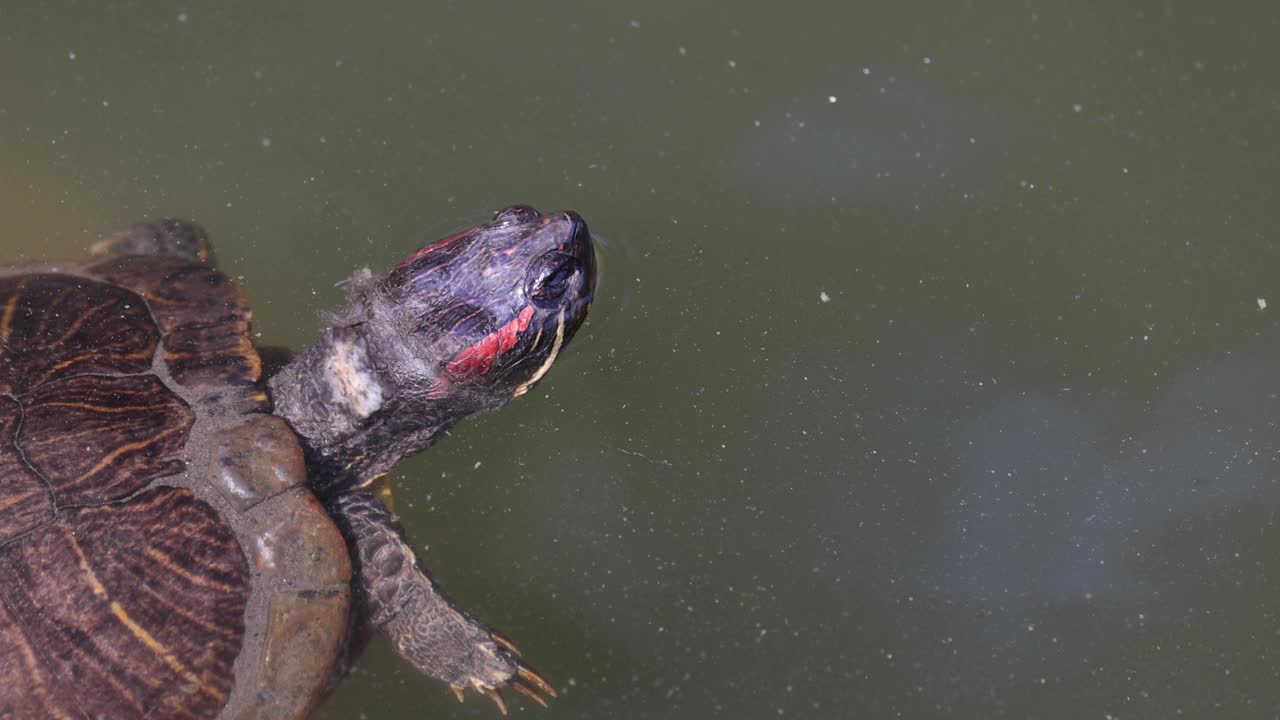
(527, 690)
(523, 679)
(505, 642)
(496, 697)
(525, 676)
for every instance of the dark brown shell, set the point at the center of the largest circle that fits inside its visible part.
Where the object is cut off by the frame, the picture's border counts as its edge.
(159, 552)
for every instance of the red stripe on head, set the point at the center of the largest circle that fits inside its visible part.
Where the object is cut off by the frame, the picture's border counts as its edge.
(436, 246)
(478, 359)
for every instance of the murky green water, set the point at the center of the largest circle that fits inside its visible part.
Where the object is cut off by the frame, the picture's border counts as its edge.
(933, 373)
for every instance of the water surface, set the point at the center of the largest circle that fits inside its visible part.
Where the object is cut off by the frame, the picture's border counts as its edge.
(933, 372)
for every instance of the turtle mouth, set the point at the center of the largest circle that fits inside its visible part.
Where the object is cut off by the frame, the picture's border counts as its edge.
(581, 250)
(561, 286)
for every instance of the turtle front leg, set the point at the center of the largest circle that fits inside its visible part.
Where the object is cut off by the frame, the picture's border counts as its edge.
(423, 623)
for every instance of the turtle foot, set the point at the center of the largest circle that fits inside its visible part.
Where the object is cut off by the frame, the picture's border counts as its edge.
(524, 680)
(519, 676)
(424, 624)
(458, 649)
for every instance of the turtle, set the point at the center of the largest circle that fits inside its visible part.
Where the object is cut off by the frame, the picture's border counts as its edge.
(190, 528)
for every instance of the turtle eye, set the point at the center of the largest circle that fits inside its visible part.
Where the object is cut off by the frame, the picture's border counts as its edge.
(515, 214)
(549, 277)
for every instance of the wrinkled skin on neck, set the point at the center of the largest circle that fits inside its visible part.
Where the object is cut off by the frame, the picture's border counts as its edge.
(464, 324)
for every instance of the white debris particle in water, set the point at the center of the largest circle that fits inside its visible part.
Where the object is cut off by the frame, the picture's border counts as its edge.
(733, 63)
(824, 297)
(927, 60)
(866, 71)
(635, 24)
(71, 55)
(266, 142)
(182, 17)
(1262, 303)
(831, 99)
(1077, 107)
(476, 466)
(684, 51)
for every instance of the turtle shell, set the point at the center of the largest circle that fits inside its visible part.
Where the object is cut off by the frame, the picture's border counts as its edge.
(160, 554)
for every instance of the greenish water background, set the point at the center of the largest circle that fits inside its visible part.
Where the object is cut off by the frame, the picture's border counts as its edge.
(930, 376)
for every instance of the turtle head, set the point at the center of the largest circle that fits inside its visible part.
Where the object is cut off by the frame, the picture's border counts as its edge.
(491, 307)
(464, 324)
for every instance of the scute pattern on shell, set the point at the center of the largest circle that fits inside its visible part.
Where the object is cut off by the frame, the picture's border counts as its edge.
(127, 610)
(25, 500)
(203, 315)
(57, 326)
(145, 422)
(118, 597)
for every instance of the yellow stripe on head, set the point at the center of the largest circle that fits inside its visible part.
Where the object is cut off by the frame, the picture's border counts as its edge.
(551, 358)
